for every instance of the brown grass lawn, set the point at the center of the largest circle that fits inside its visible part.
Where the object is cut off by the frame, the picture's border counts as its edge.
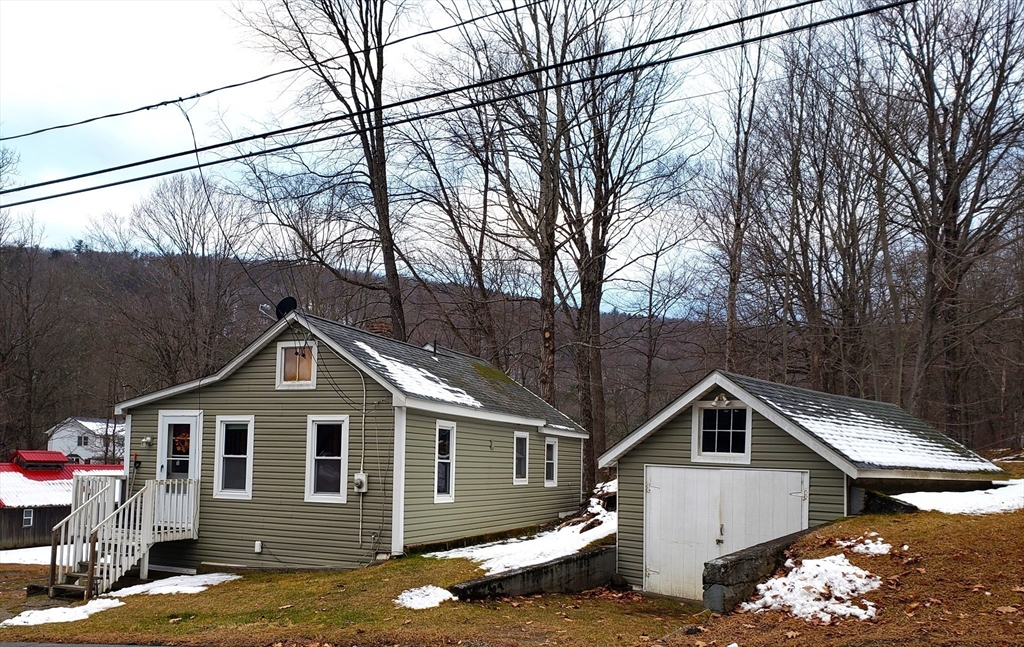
(960, 582)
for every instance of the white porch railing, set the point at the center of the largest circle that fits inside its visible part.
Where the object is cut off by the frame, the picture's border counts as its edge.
(166, 510)
(69, 544)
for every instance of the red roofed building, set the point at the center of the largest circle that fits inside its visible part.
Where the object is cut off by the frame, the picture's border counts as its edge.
(35, 494)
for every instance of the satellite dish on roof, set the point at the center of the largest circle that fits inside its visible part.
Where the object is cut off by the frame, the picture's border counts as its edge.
(285, 306)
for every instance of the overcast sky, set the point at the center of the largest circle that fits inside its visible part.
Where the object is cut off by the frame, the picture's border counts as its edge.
(64, 61)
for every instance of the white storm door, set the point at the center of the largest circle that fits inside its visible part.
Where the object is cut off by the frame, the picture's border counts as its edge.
(680, 528)
(179, 440)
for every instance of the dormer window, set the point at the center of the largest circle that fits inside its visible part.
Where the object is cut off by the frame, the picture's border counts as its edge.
(296, 365)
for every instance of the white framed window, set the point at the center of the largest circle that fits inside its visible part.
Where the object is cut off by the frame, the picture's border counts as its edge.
(296, 365)
(28, 516)
(521, 458)
(83, 441)
(721, 432)
(550, 462)
(232, 471)
(444, 462)
(327, 459)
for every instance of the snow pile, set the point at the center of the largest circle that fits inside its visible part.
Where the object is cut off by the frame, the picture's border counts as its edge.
(61, 614)
(1000, 499)
(867, 546)
(178, 584)
(571, 537)
(424, 597)
(418, 381)
(608, 487)
(818, 588)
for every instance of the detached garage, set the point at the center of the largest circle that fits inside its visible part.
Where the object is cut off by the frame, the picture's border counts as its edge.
(738, 461)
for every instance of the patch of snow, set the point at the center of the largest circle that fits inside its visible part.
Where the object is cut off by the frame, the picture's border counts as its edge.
(866, 546)
(425, 597)
(819, 588)
(61, 614)
(866, 438)
(607, 487)
(501, 556)
(176, 584)
(416, 380)
(36, 555)
(1001, 499)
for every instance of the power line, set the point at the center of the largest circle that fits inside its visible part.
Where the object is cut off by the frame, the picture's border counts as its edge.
(473, 104)
(439, 94)
(239, 84)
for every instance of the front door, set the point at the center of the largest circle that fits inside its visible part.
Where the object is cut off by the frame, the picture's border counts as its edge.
(693, 515)
(178, 459)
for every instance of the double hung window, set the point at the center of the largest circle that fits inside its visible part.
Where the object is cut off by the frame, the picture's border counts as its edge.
(550, 462)
(521, 458)
(444, 463)
(326, 458)
(232, 478)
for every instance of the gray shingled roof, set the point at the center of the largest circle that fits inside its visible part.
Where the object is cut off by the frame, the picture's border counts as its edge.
(446, 376)
(867, 433)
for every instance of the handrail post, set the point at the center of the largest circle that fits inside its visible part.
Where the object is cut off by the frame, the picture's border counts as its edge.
(55, 540)
(90, 580)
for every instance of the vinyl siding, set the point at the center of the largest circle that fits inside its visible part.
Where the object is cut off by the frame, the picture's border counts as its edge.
(295, 534)
(486, 501)
(771, 448)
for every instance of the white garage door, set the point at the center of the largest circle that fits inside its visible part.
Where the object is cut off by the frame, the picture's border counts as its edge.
(692, 515)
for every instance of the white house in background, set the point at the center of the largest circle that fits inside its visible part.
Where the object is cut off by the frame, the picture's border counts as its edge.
(87, 440)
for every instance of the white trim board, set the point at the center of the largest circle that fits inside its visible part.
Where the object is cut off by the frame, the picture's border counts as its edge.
(398, 485)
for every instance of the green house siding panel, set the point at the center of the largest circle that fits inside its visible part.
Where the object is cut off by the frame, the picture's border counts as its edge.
(771, 448)
(294, 533)
(486, 501)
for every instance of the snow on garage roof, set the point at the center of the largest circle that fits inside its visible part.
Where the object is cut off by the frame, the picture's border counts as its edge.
(21, 488)
(864, 438)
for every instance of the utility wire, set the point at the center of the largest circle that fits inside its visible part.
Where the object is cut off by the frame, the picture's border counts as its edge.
(465, 106)
(239, 84)
(462, 89)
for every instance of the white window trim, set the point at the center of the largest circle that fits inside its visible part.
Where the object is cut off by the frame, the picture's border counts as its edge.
(450, 497)
(697, 456)
(279, 374)
(30, 514)
(554, 457)
(218, 466)
(311, 423)
(526, 479)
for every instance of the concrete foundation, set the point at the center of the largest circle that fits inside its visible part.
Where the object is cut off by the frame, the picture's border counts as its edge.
(732, 578)
(578, 572)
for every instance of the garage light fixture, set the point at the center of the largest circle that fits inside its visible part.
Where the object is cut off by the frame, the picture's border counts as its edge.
(722, 400)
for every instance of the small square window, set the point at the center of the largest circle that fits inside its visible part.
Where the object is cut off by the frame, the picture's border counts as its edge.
(27, 517)
(83, 441)
(296, 365)
(721, 433)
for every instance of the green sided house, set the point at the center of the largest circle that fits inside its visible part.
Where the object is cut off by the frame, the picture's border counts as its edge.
(738, 461)
(326, 446)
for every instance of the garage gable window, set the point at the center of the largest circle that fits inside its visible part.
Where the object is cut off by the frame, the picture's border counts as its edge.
(721, 432)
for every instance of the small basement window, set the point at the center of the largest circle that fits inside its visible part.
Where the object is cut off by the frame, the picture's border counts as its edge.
(550, 462)
(721, 432)
(232, 471)
(27, 517)
(521, 459)
(444, 463)
(327, 459)
(296, 365)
